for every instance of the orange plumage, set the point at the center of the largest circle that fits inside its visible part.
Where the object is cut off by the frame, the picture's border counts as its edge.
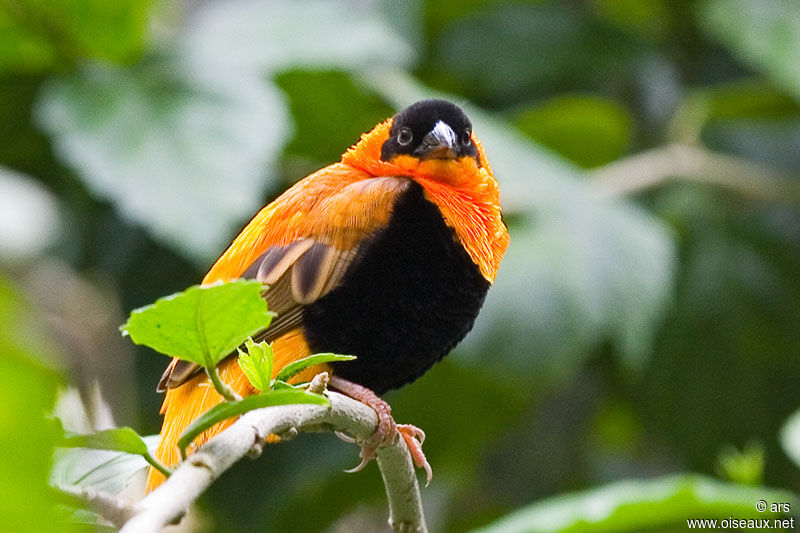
(326, 248)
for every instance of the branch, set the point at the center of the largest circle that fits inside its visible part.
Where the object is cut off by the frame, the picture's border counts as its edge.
(114, 509)
(655, 167)
(402, 490)
(245, 437)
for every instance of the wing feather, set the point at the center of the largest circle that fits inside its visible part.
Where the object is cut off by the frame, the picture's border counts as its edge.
(304, 270)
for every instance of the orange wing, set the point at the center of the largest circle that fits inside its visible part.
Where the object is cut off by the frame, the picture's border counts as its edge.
(301, 245)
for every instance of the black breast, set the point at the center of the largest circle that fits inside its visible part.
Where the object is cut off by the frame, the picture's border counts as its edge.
(409, 298)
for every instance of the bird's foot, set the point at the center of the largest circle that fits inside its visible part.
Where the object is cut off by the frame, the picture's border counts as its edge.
(387, 432)
(414, 438)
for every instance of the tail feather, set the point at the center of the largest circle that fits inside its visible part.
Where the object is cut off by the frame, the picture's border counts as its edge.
(183, 404)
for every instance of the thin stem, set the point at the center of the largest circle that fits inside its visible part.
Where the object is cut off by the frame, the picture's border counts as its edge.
(221, 387)
(158, 465)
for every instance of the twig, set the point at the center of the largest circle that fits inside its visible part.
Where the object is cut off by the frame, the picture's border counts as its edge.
(650, 169)
(246, 436)
(158, 465)
(221, 387)
(114, 509)
(405, 503)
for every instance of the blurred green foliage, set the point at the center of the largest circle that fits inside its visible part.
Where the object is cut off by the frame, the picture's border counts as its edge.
(41, 36)
(659, 504)
(587, 130)
(27, 436)
(638, 327)
(745, 467)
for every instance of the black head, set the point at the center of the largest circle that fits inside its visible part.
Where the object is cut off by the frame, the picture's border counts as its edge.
(430, 129)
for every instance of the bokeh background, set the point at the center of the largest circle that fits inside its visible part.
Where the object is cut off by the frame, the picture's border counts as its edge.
(645, 324)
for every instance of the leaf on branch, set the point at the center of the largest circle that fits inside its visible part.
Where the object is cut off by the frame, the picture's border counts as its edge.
(226, 410)
(203, 324)
(123, 439)
(105, 470)
(256, 363)
(301, 364)
(282, 385)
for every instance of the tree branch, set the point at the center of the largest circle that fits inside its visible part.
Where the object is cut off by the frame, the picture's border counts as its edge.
(245, 437)
(655, 167)
(405, 503)
(114, 509)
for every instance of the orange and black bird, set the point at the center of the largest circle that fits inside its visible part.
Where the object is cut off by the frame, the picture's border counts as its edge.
(386, 255)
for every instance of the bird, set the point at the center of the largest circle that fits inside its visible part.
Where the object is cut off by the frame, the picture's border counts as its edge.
(387, 255)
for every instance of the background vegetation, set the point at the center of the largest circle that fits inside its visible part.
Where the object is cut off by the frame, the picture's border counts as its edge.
(645, 323)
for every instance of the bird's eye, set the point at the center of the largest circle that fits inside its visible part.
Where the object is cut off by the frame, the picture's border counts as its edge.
(466, 137)
(404, 136)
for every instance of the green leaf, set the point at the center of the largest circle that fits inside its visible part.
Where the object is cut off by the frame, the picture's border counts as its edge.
(587, 130)
(182, 150)
(749, 99)
(104, 470)
(22, 49)
(641, 506)
(301, 364)
(282, 385)
(39, 34)
(123, 439)
(226, 410)
(256, 363)
(740, 102)
(203, 324)
(648, 19)
(763, 33)
(330, 110)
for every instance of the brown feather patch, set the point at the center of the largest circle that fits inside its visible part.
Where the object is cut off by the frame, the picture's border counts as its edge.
(300, 273)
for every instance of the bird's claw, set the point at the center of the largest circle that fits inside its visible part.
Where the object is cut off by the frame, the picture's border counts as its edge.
(414, 437)
(387, 432)
(408, 431)
(344, 437)
(367, 454)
